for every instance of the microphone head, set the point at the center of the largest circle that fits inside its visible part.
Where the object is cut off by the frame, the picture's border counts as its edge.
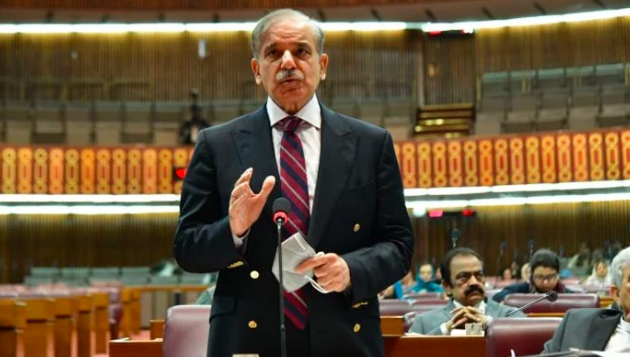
(281, 208)
(456, 233)
(552, 296)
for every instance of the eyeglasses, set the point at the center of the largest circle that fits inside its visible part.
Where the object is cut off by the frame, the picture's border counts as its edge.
(550, 277)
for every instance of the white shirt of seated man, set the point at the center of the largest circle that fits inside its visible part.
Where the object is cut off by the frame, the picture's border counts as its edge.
(620, 291)
(620, 339)
(465, 283)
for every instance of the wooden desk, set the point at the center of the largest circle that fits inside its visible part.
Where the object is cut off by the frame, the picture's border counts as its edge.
(423, 346)
(156, 329)
(12, 326)
(401, 346)
(546, 314)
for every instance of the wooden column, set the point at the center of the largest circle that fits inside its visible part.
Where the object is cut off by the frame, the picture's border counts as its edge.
(101, 321)
(65, 308)
(85, 323)
(12, 325)
(40, 318)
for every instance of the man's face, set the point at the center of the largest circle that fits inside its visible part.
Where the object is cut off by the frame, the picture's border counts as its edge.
(288, 65)
(468, 280)
(545, 278)
(621, 294)
(426, 273)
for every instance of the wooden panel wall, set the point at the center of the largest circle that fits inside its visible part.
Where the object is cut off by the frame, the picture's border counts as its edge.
(140, 240)
(164, 67)
(449, 69)
(459, 61)
(197, 4)
(83, 240)
(557, 45)
(550, 226)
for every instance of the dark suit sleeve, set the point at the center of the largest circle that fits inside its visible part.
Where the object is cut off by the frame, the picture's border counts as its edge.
(374, 268)
(555, 343)
(501, 295)
(203, 239)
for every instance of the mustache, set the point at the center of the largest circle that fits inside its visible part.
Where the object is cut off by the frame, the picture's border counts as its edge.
(285, 74)
(474, 288)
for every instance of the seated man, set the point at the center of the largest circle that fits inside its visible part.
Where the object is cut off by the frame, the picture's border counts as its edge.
(544, 266)
(425, 282)
(599, 329)
(462, 271)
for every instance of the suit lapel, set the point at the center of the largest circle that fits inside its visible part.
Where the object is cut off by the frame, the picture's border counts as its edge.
(337, 153)
(602, 327)
(255, 149)
(448, 308)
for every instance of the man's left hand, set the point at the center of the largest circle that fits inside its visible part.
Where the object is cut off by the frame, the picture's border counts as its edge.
(331, 271)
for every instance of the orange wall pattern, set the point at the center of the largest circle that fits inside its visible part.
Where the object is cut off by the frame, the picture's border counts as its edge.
(501, 160)
(91, 170)
(516, 160)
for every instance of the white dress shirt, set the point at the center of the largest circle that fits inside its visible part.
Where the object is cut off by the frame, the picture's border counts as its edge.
(620, 339)
(309, 133)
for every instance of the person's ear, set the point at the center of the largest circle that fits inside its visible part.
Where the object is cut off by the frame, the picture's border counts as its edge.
(256, 71)
(323, 64)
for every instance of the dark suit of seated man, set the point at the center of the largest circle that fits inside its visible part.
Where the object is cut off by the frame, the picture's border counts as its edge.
(599, 329)
(462, 269)
(545, 267)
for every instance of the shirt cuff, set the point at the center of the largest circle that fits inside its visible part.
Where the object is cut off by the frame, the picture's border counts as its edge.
(239, 241)
(444, 329)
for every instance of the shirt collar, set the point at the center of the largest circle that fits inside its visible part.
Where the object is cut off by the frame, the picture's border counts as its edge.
(310, 113)
(624, 325)
(481, 306)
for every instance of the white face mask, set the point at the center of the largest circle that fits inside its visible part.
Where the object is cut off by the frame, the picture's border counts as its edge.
(295, 250)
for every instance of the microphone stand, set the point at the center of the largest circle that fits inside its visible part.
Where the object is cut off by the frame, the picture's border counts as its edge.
(546, 296)
(283, 335)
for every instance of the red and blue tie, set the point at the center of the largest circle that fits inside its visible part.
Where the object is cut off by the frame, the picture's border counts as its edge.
(294, 186)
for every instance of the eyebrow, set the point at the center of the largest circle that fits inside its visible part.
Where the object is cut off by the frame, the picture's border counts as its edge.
(298, 43)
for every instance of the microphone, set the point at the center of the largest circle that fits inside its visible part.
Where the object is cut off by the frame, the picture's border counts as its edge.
(499, 259)
(550, 296)
(455, 234)
(281, 208)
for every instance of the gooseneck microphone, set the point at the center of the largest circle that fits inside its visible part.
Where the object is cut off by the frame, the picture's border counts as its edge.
(550, 296)
(455, 234)
(281, 208)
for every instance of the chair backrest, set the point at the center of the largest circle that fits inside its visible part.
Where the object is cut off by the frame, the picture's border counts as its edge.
(394, 307)
(186, 331)
(564, 302)
(424, 296)
(524, 336)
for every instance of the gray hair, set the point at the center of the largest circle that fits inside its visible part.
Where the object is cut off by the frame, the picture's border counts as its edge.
(619, 264)
(263, 24)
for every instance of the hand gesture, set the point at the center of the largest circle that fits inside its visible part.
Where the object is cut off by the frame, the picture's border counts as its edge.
(245, 205)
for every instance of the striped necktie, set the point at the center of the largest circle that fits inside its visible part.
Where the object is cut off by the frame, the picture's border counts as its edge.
(294, 186)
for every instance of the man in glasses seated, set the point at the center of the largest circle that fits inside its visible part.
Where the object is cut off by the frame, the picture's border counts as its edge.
(464, 281)
(545, 267)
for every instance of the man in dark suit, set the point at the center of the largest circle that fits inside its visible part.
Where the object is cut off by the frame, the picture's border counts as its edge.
(344, 184)
(599, 329)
